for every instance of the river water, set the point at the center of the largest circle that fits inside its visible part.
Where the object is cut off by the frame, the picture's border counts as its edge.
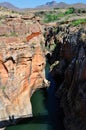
(44, 110)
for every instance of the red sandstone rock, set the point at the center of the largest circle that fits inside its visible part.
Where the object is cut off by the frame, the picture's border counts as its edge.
(19, 26)
(21, 72)
(32, 36)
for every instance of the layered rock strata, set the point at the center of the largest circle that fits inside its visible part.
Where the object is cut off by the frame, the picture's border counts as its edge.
(22, 71)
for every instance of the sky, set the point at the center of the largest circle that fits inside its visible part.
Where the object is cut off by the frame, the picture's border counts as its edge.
(34, 3)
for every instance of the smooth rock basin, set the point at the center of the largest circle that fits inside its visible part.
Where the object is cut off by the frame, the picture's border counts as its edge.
(40, 120)
(46, 110)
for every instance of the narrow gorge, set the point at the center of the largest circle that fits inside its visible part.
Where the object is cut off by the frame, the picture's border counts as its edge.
(42, 72)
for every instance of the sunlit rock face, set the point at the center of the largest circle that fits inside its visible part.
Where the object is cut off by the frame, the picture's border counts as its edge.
(21, 73)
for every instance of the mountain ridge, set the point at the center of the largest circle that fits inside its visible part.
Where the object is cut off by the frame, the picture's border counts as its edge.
(8, 5)
(52, 4)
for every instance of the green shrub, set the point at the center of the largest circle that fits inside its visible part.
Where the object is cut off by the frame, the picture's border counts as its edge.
(14, 34)
(56, 8)
(50, 18)
(70, 10)
(2, 17)
(60, 15)
(77, 22)
(81, 10)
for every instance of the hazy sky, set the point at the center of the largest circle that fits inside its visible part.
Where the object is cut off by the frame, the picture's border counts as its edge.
(34, 3)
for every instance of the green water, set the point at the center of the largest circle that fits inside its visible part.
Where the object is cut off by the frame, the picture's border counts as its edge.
(39, 121)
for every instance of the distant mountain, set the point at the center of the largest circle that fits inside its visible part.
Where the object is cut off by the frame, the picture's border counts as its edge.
(62, 5)
(48, 5)
(51, 3)
(8, 5)
(54, 4)
(79, 5)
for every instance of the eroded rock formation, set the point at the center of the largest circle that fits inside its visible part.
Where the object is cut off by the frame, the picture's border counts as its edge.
(22, 71)
(68, 63)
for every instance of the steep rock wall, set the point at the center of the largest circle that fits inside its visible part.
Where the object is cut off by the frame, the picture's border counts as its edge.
(22, 71)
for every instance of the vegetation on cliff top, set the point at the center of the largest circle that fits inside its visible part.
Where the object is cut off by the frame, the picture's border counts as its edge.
(63, 15)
